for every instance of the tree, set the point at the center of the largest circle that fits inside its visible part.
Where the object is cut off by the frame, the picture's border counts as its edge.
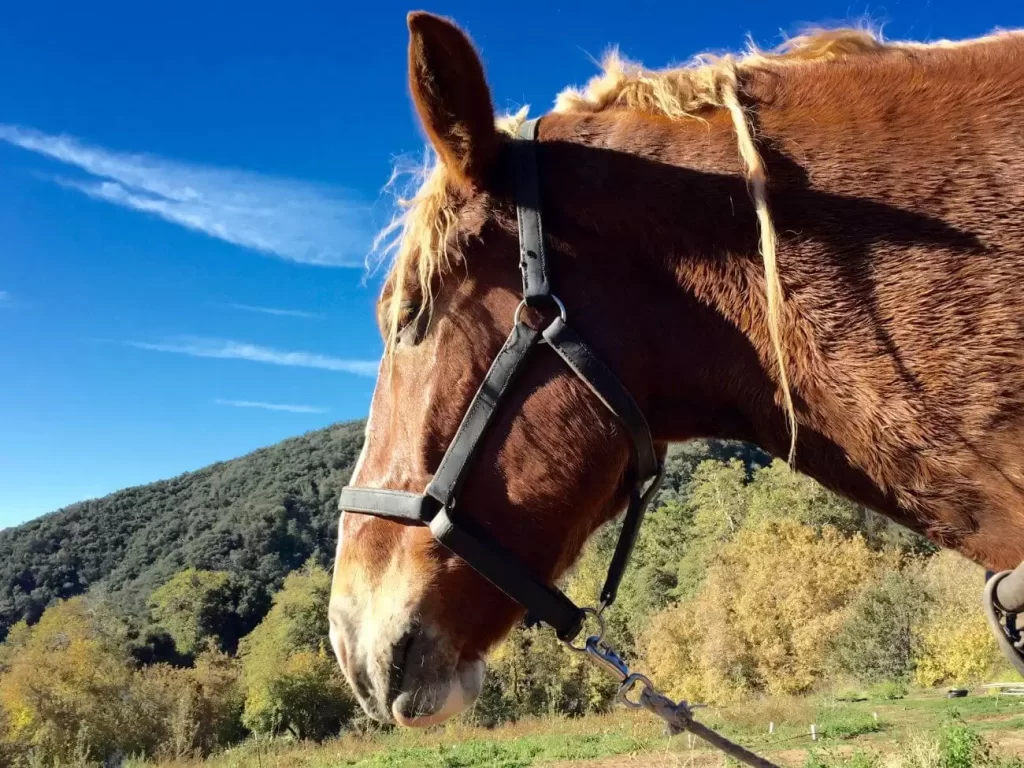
(877, 642)
(69, 689)
(196, 605)
(763, 616)
(650, 577)
(306, 697)
(219, 680)
(718, 508)
(777, 491)
(10, 752)
(682, 461)
(956, 645)
(532, 673)
(190, 711)
(292, 682)
(719, 496)
(66, 682)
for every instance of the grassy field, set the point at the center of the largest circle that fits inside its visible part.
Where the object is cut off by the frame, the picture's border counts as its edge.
(922, 730)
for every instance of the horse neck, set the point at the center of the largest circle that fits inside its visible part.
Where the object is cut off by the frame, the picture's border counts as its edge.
(873, 202)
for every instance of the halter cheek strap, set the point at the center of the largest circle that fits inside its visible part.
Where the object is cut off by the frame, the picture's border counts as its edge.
(437, 507)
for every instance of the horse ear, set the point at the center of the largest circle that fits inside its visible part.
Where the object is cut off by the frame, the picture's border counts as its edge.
(451, 96)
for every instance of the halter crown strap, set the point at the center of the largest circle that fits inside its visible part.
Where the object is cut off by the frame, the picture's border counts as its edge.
(533, 260)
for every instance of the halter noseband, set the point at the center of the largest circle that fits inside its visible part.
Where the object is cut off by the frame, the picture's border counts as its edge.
(436, 507)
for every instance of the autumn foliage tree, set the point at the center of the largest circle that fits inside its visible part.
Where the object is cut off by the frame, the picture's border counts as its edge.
(70, 690)
(67, 681)
(763, 616)
(292, 681)
(956, 646)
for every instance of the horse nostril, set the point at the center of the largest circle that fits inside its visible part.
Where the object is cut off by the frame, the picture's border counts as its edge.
(361, 682)
(399, 660)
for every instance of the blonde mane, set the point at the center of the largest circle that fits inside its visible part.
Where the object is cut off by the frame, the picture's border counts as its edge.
(420, 237)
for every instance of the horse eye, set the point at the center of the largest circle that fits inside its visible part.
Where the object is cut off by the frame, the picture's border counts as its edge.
(406, 314)
(411, 324)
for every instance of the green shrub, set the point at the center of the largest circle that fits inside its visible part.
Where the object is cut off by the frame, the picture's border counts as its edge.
(962, 747)
(847, 725)
(888, 690)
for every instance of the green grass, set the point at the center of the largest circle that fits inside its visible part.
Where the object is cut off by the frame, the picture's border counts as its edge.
(517, 753)
(956, 744)
(466, 755)
(922, 730)
(531, 742)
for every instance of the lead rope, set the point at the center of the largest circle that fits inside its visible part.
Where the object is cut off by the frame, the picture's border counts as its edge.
(678, 717)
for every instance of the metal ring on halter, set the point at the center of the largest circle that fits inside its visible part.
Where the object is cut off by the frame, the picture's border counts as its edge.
(599, 635)
(628, 685)
(558, 302)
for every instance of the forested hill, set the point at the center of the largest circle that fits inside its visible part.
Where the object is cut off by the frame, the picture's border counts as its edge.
(259, 516)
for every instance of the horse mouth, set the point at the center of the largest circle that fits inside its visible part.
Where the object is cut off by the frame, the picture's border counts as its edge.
(423, 705)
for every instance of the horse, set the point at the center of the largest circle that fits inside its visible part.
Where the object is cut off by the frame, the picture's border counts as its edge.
(817, 249)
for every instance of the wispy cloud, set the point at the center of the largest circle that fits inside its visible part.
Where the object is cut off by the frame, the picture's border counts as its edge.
(275, 311)
(198, 346)
(5, 298)
(296, 220)
(271, 406)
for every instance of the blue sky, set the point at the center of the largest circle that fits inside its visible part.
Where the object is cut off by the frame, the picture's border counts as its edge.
(188, 192)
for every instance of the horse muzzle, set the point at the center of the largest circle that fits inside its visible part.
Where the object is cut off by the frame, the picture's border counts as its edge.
(406, 673)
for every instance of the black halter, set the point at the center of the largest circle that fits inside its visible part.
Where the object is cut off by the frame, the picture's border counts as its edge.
(437, 506)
